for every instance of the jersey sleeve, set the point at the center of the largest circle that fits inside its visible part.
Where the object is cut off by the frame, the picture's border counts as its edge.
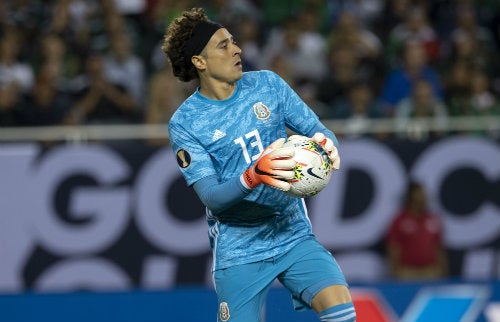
(192, 158)
(218, 196)
(299, 117)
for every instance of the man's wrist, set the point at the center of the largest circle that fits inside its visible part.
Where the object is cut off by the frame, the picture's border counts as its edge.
(248, 180)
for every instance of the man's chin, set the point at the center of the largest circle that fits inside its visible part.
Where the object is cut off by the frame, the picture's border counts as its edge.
(237, 77)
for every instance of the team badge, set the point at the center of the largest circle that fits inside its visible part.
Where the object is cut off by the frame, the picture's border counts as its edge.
(183, 158)
(224, 311)
(261, 111)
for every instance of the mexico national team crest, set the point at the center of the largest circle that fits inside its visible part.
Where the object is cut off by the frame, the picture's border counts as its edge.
(261, 111)
(224, 311)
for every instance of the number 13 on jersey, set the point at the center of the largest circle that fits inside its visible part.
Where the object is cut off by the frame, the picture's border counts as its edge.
(255, 141)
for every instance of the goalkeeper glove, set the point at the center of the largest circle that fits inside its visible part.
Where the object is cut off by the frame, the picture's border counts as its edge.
(329, 147)
(273, 167)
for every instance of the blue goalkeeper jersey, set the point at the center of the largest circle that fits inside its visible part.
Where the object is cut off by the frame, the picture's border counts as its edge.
(223, 138)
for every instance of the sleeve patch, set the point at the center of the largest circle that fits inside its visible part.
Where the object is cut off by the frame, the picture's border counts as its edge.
(183, 158)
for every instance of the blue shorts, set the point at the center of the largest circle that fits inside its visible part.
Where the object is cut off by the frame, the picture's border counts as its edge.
(304, 270)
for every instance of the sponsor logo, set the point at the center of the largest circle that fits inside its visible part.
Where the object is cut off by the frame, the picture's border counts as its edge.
(462, 302)
(259, 171)
(218, 134)
(248, 179)
(311, 173)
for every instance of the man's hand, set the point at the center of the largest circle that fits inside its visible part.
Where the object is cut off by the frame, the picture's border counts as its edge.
(273, 167)
(329, 147)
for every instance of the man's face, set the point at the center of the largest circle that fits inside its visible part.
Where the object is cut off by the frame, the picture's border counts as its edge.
(223, 57)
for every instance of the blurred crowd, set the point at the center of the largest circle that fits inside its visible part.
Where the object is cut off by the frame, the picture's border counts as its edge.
(99, 61)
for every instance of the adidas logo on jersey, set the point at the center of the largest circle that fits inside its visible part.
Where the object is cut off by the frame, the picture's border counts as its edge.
(218, 134)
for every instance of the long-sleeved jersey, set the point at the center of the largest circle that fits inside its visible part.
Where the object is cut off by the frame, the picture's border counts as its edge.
(223, 138)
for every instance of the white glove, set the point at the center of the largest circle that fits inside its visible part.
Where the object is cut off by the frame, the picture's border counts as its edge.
(329, 147)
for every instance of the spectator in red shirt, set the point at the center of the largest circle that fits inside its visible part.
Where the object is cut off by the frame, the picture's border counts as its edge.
(414, 240)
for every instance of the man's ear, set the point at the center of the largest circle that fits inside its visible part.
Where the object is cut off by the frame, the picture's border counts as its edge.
(199, 62)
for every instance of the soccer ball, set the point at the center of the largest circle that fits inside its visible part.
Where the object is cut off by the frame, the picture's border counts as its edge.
(313, 170)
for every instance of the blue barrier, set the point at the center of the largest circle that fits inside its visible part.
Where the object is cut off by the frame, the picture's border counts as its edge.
(180, 305)
(445, 301)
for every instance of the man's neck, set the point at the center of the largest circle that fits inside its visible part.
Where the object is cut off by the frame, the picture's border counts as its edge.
(217, 90)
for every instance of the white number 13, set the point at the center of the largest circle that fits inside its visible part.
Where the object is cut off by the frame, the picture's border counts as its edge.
(257, 142)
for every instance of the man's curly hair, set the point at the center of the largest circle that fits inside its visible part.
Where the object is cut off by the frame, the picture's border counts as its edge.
(176, 36)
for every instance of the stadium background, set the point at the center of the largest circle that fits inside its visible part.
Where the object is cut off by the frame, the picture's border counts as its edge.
(96, 222)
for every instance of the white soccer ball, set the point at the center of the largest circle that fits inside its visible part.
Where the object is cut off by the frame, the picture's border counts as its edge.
(313, 170)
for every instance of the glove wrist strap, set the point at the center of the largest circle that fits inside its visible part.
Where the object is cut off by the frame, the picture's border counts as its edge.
(248, 180)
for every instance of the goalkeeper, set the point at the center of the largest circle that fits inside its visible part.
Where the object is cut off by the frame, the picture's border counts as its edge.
(228, 138)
